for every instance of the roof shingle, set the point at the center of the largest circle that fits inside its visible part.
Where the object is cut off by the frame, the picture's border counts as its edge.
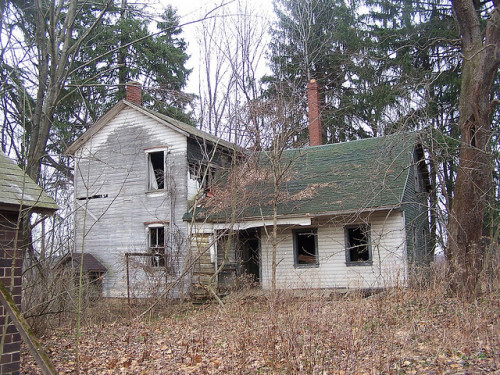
(360, 175)
(17, 188)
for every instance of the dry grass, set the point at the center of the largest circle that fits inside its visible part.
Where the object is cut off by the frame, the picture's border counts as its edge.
(395, 332)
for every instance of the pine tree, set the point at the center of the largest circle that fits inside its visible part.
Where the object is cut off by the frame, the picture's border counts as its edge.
(74, 68)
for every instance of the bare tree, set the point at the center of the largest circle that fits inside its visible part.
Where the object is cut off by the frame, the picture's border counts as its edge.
(233, 46)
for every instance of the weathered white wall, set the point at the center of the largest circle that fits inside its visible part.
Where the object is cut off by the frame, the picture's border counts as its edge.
(388, 252)
(114, 162)
(193, 187)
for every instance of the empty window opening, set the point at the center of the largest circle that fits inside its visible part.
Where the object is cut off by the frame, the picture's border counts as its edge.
(157, 246)
(249, 252)
(358, 243)
(306, 247)
(156, 170)
(203, 174)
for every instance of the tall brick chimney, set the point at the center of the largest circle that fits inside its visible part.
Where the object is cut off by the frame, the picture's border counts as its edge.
(315, 131)
(134, 92)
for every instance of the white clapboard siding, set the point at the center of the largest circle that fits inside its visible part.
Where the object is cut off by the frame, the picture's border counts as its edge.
(114, 163)
(388, 253)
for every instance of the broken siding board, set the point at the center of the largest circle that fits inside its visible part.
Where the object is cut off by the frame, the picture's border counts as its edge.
(387, 241)
(118, 169)
(197, 150)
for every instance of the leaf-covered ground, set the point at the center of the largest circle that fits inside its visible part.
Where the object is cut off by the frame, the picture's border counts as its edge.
(393, 333)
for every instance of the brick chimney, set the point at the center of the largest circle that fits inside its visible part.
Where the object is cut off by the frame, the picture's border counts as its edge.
(315, 131)
(134, 92)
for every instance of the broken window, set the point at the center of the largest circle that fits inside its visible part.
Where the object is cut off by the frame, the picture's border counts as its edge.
(203, 174)
(157, 171)
(305, 246)
(357, 242)
(157, 246)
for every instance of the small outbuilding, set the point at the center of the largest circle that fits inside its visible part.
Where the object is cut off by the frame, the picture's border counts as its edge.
(19, 194)
(92, 270)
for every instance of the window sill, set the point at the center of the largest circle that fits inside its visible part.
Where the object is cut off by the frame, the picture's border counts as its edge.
(156, 192)
(355, 264)
(311, 265)
(158, 269)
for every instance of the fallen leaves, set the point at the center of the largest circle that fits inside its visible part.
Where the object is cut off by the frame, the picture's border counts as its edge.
(290, 336)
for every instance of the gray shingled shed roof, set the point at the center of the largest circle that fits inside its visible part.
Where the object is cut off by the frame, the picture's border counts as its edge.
(17, 188)
(90, 263)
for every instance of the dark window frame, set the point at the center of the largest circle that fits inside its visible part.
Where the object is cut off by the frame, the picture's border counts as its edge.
(348, 247)
(159, 252)
(204, 173)
(297, 262)
(161, 182)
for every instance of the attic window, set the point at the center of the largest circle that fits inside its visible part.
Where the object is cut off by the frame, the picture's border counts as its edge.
(157, 246)
(305, 246)
(156, 170)
(357, 242)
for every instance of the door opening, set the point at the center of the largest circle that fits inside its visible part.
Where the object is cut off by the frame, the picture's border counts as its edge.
(249, 246)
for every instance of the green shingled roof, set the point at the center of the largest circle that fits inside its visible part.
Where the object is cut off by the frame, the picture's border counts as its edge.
(17, 188)
(359, 175)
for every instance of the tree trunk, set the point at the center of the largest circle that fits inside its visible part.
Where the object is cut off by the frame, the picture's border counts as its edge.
(274, 264)
(56, 49)
(481, 59)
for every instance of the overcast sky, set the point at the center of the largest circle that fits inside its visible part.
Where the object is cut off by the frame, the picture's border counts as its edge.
(192, 10)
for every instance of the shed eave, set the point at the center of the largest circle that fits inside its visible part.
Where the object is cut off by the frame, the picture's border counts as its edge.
(12, 207)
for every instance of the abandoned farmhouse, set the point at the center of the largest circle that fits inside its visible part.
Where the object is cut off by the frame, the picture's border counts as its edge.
(154, 207)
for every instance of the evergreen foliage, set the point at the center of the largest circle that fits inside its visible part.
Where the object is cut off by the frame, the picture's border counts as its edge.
(76, 59)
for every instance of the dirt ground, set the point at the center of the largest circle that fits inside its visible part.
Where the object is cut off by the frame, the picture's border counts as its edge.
(395, 332)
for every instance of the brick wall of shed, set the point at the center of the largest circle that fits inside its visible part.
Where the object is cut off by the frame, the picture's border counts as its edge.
(10, 359)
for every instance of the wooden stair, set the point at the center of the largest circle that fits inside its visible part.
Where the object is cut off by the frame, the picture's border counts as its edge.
(203, 268)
